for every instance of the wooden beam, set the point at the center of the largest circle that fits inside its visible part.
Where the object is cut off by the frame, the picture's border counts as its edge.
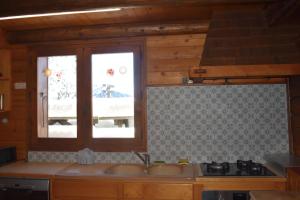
(242, 81)
(246, 71)
(3, 42)
(98, 32)
(28, 7)
(280, 10)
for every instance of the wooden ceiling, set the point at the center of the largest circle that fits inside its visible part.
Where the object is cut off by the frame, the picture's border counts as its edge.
(133, 11)
(136, 17)
(21, 7)
(126, 15)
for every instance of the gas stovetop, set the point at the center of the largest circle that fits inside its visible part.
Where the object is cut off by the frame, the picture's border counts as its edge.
(240, 168)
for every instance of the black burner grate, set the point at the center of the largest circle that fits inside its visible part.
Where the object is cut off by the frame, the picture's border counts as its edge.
(240, 168)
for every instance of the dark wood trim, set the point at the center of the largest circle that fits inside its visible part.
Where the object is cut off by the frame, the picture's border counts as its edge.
(236, 81)
(84, 108)
(19, 7)
(294, 114)
(245, 71)
(293, 179)
(139, 142)
(54, 46)
(243, 81)
(290, 130)
(51, 144)
(107, 31)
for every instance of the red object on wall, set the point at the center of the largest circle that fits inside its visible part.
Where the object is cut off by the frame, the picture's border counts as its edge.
(110, 72)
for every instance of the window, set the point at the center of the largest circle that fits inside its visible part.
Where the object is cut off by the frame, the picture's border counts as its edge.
(113, 95)
(88, 96)
(57, 97)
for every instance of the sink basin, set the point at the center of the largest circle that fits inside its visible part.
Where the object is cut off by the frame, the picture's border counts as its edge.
(127, 170)
(165, 170)
(155, 170)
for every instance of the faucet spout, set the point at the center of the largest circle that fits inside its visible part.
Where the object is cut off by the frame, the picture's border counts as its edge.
(143, 157)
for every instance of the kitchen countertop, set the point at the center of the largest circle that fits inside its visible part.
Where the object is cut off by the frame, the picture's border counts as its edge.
(24, 169)
(190, 174)
(100, 171)
(284, 160)
(275, 170)
(32, 169)
(46, 170)
(274, 195)
(84, 170)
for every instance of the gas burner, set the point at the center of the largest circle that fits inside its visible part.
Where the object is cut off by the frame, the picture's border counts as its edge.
(218, 167)
(256, 169)
(250, 166)
(244, 165)
(240, 168)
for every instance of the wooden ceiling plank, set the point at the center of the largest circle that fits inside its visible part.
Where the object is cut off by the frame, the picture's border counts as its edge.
(176, 40)
(21, 7)
(95, 32)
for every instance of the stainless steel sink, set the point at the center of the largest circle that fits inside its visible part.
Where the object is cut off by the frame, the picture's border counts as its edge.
(155, 170)
(127, 169)
(165, 170)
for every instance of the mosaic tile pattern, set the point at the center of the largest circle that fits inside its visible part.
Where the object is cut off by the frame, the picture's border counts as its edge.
(222, 123)
(101, 157)
(205, 123)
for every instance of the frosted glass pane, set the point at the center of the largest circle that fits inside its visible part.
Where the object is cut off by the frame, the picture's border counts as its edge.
(113, 95)
(62, 97)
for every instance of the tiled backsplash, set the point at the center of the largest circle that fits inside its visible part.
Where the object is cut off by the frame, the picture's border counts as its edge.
(204, 123)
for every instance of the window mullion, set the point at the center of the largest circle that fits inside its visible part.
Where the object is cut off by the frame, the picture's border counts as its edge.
(84, 103)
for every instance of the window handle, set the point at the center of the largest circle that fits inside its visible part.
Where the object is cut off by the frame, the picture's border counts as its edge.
(43, 97)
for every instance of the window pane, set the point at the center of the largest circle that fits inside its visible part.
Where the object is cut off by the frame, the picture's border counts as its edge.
(113, 95)
(59, 99)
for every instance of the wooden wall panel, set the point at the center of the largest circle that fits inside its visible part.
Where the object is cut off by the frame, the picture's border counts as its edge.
(236, 37)
(15, 132)
(293, 179)
(169, 58)
(2, 39)
(294, 113)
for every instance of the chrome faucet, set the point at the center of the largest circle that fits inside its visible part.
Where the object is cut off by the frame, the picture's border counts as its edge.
(143, 157)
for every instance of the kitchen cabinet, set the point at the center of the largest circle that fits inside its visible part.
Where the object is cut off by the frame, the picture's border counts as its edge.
(236, 183)
(294, 179)
(97, 189)
(158, 191)
(79, 189)
(5, 78)
(274, 195)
